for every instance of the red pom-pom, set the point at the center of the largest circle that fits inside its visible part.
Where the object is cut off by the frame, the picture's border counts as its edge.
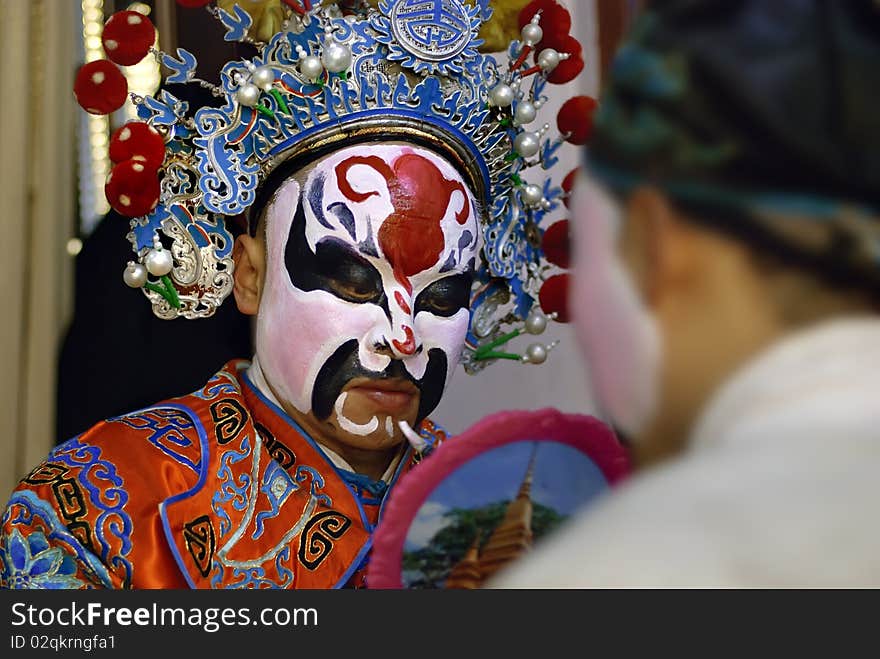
(555, 21)
(568, 185)
(553, 297)
(127, 37)
(568, 69)
(193, 3)
(556, 244)
(555, 18)
(132, 188)
(575, 119)
(138, 141)
(100, 87)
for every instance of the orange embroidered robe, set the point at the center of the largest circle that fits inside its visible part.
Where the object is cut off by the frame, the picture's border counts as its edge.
(216, 489)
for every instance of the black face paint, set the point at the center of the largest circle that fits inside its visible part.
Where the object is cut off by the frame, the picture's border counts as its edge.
(334, 267)
(343, 366)
(445, 297)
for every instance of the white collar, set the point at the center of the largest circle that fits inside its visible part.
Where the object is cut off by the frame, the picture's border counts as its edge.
(818, 381)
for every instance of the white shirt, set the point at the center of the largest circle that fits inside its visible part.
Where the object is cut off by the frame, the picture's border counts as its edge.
(780, 485)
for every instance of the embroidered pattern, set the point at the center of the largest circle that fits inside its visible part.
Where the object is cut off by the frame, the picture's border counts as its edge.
(168, 428)
(29, 515)
(279, 452)
(32, 563)
(113, 526)
(230, 419)
(316, 541)
(200, 542)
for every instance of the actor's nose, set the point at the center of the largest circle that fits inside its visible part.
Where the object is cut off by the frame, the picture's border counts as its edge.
(402, 344)
(406, 345)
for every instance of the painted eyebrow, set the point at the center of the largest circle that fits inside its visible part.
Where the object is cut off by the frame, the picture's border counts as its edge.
(332, 260)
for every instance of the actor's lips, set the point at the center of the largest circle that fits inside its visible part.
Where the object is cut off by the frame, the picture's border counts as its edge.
(389, 395)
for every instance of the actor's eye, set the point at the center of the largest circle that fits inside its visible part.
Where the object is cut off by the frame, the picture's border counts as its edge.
(354, 291)
(446, 296)
(347, 274)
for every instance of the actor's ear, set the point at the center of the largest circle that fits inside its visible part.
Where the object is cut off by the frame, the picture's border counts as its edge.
(249, 255)
(657, 245)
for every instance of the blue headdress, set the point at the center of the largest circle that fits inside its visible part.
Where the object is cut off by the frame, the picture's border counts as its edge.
(334, 75)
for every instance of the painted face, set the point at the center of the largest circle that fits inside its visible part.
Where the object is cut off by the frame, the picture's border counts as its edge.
(365, 305)
(617, 333)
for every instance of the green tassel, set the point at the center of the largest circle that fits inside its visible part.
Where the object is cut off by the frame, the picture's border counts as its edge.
(167, 291)
(497, 355)
(279, 99)
(262, 109)
(489, 347)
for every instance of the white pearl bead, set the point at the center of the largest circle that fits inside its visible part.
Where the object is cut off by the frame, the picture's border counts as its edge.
(531, 34)
(536, 322)
(311, 67)
(525, 113)
(527, 144)
(536, 354)
(248, 95)
(501, 95)
(548, 59)
(532, 195)
(135, 275)
(263, 77)
(336, 56)
(159, 262)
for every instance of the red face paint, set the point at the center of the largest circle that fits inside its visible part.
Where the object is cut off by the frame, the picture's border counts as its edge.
(411, 237)
(408, 347)
(401, 302)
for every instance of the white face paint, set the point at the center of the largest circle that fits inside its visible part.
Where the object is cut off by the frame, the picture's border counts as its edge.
(618, 334)
(381, 231)
(350, 426)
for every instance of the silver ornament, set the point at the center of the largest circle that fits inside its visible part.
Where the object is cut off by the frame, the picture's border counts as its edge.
(525, 113)
(532, 195)
(159, 262)
(336, 56)
(536, 354)
(311, 67)
(263, 77)
(501, 95)
(536, 322)
(527, 144)
(548, 59)
(531, 34)
(135, 275)
(248, 95)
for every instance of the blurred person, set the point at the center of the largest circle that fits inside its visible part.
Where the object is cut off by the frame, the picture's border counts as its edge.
(726, 288)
